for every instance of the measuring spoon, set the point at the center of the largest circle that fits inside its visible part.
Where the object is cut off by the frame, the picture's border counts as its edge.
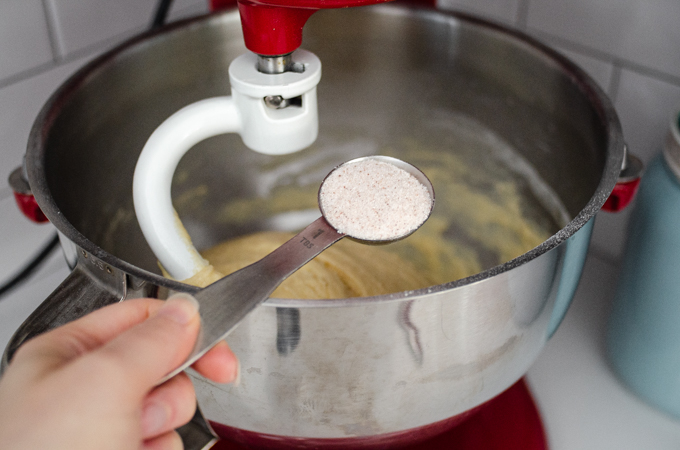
(226, 302)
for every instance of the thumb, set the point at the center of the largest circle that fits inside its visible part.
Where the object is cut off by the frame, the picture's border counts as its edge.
(144, 353)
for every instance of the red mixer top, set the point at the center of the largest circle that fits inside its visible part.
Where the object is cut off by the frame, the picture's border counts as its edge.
(274, 27)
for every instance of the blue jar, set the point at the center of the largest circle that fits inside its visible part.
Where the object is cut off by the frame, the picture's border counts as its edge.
(643, 342)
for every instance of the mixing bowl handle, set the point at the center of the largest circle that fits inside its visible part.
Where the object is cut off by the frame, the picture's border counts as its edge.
(627, 184)
(24, 197)
(79, 294)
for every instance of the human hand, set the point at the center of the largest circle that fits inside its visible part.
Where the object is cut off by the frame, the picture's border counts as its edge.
(91, 384)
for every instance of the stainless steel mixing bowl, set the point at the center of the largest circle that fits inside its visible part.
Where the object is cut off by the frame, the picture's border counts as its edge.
(344, 373)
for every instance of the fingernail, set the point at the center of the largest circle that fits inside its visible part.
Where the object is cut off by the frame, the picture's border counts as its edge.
(154, 418)
(180, 307)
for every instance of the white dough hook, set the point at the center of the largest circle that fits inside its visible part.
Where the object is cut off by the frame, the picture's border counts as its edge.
(262, 128)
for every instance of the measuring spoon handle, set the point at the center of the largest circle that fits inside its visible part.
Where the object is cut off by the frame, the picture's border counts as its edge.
(227, 301)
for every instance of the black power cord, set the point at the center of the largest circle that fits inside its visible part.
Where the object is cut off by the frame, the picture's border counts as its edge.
(159, 18)
(31, 267)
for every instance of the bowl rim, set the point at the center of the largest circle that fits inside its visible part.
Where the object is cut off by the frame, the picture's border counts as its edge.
(603, 107)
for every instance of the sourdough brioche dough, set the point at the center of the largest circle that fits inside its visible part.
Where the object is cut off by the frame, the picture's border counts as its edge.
(446, 248)
(347, 269)
(467, 225)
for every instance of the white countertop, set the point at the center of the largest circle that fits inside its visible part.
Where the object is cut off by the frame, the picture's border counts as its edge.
(583, 405)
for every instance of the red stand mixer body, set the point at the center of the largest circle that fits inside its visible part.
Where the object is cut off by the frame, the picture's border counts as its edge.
(274, 27)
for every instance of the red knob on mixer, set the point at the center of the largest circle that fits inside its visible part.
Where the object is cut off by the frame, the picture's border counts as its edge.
(627, 185)
(621, 196)
(274, 27)
(24, 198)
(29, 207)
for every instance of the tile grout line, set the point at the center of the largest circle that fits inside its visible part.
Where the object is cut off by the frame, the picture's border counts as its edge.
(650, 72)
(50, 20)
(574, 46)
(89, 51)
(61, 60)
(606, 57)
(62, 57)
(27, 74)
(522, 17)
(615, 81)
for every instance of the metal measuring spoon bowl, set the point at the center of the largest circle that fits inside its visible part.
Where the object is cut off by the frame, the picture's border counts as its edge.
(376, 199)
(226, 302)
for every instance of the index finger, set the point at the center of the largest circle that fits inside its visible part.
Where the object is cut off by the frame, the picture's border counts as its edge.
(59, 346)
(141, 355)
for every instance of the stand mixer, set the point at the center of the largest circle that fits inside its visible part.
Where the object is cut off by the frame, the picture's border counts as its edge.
(273, 108)
(359, 372)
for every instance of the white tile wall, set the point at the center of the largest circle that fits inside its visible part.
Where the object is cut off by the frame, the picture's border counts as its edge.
(600, 70)
(645, 105)
(24, 39)
(79, 25)
(15, 251)
(502, 10)
(21, 100)
(645, 32)
(19, 105)
(187, 8)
